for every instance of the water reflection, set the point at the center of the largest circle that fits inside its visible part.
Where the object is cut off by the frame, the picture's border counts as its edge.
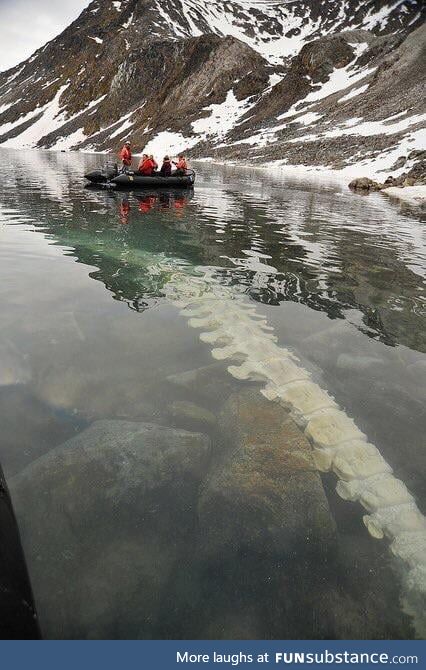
(325, 248)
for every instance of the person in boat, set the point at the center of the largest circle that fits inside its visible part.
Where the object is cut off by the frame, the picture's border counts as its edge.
(151, 158)
(181, 166)
(126, 155)
(166, 168)
(146, 166)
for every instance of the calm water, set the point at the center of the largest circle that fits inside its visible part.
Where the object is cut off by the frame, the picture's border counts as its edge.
(123, 544)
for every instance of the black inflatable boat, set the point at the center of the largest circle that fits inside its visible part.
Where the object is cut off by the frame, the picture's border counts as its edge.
(18, 617)
(110, 177)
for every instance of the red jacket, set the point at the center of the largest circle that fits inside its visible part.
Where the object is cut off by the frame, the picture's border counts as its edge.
(126, 156)
(181, 164)
(146, 167)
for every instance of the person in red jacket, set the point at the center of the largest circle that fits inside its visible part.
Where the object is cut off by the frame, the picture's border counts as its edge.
(151, 158)
(181, 165)
(126, 155)
(146, 166)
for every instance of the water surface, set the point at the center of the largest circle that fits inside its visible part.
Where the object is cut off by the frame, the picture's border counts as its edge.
(88, 334)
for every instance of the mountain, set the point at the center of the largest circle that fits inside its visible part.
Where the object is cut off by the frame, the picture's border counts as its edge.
(317, 83)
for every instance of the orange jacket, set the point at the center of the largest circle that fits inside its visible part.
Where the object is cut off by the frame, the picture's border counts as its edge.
(181, 164)
(126, 156)
(146, 167)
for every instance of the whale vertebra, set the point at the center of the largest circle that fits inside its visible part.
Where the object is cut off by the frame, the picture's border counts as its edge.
(238, 332)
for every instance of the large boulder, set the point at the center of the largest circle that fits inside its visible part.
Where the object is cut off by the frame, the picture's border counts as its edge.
(320, 57)
(265, 495)
(364, 184)
(104, 518)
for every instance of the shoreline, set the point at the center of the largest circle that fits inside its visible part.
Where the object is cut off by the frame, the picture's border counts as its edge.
(411, 195)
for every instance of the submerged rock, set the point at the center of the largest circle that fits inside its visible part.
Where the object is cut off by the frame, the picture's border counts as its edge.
(266, 495)
(103, 519)
(211, 382)
(188, 413)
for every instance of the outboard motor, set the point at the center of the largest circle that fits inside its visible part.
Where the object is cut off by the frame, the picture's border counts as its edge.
(111, 170)
(103, 176)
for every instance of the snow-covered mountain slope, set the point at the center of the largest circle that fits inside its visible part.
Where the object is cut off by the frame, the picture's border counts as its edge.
(368, 109)
(268, 80)
(279, 28)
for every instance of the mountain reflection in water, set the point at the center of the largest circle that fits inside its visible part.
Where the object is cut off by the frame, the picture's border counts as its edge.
(330, 250)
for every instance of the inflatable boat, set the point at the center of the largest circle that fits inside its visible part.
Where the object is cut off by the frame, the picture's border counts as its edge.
(18, 616)
(110, 177)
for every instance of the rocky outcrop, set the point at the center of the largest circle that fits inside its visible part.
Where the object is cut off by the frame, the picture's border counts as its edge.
(416, 176)
(365, 184)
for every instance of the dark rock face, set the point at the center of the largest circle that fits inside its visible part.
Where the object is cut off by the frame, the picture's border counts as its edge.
(115, 500)
(318, 59)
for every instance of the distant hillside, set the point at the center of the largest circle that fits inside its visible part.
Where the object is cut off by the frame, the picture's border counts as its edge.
(317, 83)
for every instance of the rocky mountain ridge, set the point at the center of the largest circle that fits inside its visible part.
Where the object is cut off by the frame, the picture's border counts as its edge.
(293, 82)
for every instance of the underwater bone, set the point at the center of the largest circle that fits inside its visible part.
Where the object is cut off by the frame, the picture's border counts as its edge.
(362, 460)
(278, 370)
(331, 427)
(251, 344)
(338, 444)
(302, 399)
(396, 520)
(381, 490)
(411, 548)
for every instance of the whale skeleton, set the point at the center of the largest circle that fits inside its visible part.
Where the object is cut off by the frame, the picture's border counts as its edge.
(240, 333)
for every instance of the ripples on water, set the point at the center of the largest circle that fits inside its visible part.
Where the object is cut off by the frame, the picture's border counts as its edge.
(340, 277)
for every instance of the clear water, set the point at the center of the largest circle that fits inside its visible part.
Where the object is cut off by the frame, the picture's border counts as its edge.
(87, 334)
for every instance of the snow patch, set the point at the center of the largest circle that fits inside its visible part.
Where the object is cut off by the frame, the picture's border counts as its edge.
(222, 117)
(340, 79)
(368, 128)
(129, 22)
(125, 125)
(379, 18)
(168, 143)
(308, 118)
(46, 124)
(51, 120)
(354, 93)
(69, 141)
(3, 108)
(414, 195)
(96, 39)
